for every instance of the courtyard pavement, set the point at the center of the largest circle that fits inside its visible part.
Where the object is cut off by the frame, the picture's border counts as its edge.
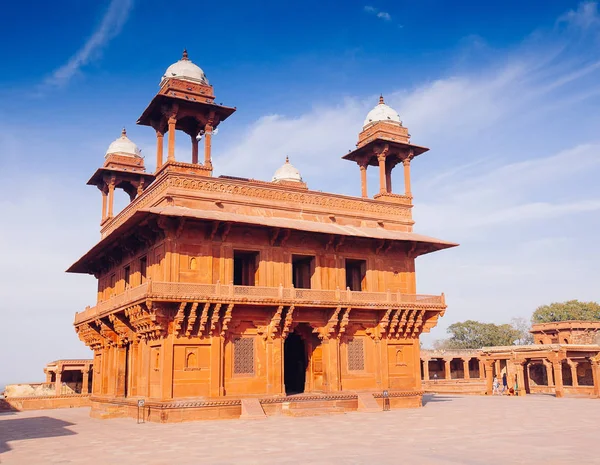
(447, 430)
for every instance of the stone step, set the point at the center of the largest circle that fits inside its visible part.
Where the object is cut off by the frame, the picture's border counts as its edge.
(311, 412)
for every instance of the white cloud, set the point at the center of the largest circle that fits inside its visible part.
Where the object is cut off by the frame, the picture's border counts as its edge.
(111, 25)
(384, 15)
(585, 16)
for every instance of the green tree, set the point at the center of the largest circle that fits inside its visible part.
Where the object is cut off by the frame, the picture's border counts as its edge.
(473, 334)
(563, 311)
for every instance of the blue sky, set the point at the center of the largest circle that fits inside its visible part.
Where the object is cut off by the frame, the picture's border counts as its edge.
(506, 96)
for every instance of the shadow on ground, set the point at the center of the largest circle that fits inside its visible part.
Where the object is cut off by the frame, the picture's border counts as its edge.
(435, 398)
(17, 429)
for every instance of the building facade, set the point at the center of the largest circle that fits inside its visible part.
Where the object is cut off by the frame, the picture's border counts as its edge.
(215, 290)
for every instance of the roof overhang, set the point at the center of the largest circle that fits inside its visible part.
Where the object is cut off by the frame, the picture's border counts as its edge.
(368, 152)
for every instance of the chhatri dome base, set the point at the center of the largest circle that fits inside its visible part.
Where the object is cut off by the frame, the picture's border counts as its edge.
(217, 409)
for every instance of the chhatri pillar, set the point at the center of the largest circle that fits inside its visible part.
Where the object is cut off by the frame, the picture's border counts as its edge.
(382, 177)
(159, 149)
(363, 180)
(406, 163)
(172, 122)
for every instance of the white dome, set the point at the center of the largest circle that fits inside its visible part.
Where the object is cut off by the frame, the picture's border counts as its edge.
(382, 112)
(123, 146)
(186, 70)
(287, 173)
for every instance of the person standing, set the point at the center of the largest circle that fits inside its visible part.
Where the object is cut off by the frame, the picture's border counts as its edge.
(504, 383)
(496, 386)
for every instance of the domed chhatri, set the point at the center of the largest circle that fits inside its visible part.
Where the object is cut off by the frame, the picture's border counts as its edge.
(185, 70)
(123, 146)
(382, 112)
(287, 172)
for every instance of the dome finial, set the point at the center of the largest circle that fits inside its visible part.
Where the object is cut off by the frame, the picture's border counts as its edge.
(381, 102)
(123, 132)
(185, 55)
(287, 159)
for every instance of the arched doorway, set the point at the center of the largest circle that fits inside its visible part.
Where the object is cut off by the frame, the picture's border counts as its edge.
(294, 360)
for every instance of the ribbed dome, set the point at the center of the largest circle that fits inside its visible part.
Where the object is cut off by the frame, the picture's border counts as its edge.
(382, 112)
(123, 146)
(185, 70)
(287, 173)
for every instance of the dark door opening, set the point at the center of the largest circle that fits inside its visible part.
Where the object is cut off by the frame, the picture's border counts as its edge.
(303, 268)
(356, 275)
(245, 268)
(294, 368)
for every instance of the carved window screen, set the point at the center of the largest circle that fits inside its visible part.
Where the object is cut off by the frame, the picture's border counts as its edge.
(243, 356)
(356, 354)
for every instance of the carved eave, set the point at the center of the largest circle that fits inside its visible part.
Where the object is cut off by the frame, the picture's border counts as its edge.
(398, 151)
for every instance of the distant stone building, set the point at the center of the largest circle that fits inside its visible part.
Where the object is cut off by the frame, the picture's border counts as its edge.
(567, 332)
(217, 294)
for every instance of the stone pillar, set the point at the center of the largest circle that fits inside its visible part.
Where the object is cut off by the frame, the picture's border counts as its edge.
(121, 363)
(48, 377)
(171, 148)
(406, 163)
(111, 197)
(58, 382)
(489, 376)
(447, 373)
(159, 149)
(573, 365)
(466, 375)
(194, 150)
(595, 361)
(381, 158)
(549, 378)
(363, 180)
(208, 130)
(497, 368)
(86, 378)
(558, 379)
(520, 368)
(104, 202)
(481, 369)
(426, 369)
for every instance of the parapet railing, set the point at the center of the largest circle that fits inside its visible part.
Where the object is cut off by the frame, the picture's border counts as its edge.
(257, 294)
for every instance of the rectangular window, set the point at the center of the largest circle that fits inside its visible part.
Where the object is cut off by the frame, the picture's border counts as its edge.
(356, 354)
(245, 268)
(143, 269)
(127, 275)
(243, 356)
(303, 269)
(356, 275)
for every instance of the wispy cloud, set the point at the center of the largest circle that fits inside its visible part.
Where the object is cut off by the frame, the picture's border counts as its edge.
(585, 16)
(111, 25)
(384, 15)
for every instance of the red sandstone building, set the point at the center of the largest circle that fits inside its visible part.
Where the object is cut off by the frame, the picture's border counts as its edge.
(218, 296)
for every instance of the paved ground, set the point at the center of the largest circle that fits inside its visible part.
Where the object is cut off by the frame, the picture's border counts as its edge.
(448, 430)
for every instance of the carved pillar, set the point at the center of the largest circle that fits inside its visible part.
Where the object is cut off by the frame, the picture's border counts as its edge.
(121, 362)
(381, 158)
(573, 365)
(171, 148)
(159, 149)
(466, 375)
(406, 163)
(558, 379)
(135, 371)
(426, 369)
(86, 378)
(111, 197)
(489, 376)
(194, 150)
(58, 382)
(104, 202)
(595, 361)
(208, 130)
(447, 373)
(549, 378)
(520, 369)
(363, 180)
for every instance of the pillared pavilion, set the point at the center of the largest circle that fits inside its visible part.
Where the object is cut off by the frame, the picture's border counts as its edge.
(227, 297)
